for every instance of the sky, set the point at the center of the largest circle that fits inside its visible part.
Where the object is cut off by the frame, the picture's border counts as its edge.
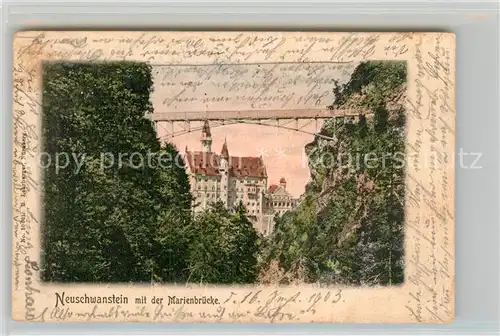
(282, 150)
(232, 88)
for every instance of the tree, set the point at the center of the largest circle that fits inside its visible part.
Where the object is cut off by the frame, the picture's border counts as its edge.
(349, 228)
(119, 216)
(223, 247)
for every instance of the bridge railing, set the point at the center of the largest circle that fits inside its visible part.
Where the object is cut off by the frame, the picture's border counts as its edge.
(253, 114)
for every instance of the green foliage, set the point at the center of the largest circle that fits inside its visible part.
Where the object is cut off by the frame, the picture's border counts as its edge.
(223, 247)
(376, 81)
(349, 227)
(116, 219)
(132, 221)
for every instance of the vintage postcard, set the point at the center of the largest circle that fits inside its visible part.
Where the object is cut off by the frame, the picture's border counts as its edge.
(257, 177)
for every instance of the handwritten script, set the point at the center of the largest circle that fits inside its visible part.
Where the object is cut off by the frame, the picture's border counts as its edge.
(431, 254)
(194, 71)
(276, 306)
(25, 183)
(258, 86)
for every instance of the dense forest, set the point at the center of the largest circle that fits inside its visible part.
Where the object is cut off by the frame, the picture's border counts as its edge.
(129, 222)
(349, 226)
(124, 224)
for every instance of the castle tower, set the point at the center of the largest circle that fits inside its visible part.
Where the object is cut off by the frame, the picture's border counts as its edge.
(206, 138)
(283, 182)
(224, 172)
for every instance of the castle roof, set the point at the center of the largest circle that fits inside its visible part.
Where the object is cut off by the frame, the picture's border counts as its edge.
(272, 188)
(203, 163)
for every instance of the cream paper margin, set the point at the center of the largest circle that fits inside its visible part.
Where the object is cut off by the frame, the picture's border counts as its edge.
(427, 295)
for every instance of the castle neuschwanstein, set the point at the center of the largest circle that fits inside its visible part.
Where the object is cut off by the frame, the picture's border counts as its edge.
(231, 179)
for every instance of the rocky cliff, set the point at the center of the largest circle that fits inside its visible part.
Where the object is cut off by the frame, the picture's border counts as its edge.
(348, 228)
